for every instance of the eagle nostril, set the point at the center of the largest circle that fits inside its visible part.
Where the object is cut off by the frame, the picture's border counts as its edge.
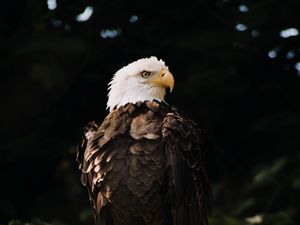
(163, 74)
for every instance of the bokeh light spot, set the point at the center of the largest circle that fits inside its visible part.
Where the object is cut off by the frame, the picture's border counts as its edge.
(243, 8)
(133, 19)
(110, 33)
(291, 54)
(241, 27)
(290, 32)
(52, 4)
(85, 15)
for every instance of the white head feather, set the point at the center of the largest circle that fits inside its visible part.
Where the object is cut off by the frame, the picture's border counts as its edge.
(127, 86)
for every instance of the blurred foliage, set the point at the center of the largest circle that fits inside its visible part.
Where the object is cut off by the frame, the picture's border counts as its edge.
(237, 70)
(33, 222)
(270, 194)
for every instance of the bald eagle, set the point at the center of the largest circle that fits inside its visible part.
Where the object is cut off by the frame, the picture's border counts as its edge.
(143, 165)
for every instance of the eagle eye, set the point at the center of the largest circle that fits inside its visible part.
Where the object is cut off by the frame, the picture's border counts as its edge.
(145, 74)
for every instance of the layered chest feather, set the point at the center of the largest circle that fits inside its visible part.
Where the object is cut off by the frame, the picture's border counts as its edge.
(128, 151)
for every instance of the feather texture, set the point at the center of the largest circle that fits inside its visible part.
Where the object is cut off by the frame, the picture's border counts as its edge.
(143, 166)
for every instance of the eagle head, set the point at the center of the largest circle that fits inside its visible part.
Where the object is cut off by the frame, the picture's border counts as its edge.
(142, 80)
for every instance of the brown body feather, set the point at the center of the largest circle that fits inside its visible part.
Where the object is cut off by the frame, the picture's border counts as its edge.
(143, 166)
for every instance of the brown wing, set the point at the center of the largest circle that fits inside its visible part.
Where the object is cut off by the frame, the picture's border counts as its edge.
(94, 155)
(122, 166)
(189, 192)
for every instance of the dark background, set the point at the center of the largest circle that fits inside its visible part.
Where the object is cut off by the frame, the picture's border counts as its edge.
(236, 71)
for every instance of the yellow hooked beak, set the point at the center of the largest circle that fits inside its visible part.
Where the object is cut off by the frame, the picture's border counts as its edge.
(164, 79)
